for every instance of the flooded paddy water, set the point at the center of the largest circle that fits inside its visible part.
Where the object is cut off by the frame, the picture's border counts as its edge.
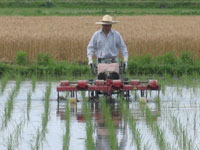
(31, 119)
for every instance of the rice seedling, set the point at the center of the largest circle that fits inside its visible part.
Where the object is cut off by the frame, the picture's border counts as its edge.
(158, 104)
(158, 133)
(147, 146)
(33, 83)
(18, 82)
(109, 124)
(28, 104)
(128, 117)
(195, 123)
(10, 102)
(8, 107)
(180, 133)
(15, 137)
(10, 142)
(38, 142)
(4, 82)
(66, 137)
(45, 116)
(89, 127)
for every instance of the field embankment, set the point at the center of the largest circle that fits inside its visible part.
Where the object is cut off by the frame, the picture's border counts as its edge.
(66, 38)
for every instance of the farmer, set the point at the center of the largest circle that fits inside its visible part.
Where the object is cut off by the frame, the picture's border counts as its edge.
(106, 43)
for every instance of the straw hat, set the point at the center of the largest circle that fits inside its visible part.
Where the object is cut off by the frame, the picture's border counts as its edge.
(107, 20)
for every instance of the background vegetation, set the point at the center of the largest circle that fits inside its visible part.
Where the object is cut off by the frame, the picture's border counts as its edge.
(46, 45)
(66, 38)
(185, 64)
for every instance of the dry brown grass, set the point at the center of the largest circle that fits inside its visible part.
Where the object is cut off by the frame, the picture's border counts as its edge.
(66, 38)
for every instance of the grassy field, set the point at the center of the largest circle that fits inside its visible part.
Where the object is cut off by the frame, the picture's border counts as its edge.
(98, 7)
(66, 38)
(62, 11)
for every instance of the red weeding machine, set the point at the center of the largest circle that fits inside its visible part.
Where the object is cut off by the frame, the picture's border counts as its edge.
(109, 81)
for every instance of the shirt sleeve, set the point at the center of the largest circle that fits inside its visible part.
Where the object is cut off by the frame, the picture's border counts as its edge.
(92, 46)
(122, 47)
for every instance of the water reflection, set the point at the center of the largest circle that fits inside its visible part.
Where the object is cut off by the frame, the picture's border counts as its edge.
(101, 132)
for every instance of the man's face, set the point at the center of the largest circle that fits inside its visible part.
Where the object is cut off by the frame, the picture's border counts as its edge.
(107, 28)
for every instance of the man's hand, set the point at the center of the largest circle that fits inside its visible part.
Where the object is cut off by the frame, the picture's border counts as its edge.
(90, 61)
(91, 65)
(126, 65)
(126, 62)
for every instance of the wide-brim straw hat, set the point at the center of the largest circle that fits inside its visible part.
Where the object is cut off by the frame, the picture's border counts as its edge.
(107, 20)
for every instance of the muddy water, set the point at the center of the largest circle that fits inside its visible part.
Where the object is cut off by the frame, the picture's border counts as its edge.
(181, 102)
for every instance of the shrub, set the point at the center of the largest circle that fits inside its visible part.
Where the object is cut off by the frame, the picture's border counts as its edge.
(43, 59)
(21, 58)
(144, 59)
(168, 58)
(187, 57)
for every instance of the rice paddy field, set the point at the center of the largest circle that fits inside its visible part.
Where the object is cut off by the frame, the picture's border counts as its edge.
(66, 38)
(30, 118)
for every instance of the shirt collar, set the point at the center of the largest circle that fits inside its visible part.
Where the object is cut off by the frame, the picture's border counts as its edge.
(111, 31)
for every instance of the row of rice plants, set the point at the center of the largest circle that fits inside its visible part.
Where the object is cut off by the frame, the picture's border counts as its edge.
(14, 138)
(109, 124)
(38, 143)
(157, 132)
(10, 102)
(89, 143)
(128, 117)
(66, 136)
(28, 105)
(38, 139)
(180, 132)
(34, 79)
(45, 116)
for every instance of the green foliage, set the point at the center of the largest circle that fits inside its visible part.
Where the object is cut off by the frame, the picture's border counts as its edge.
(141, 65)
(187, 57)
(43, 59)
(144, 59)
(168, 58)
(21, 58)
(4, 81)
(99, 7)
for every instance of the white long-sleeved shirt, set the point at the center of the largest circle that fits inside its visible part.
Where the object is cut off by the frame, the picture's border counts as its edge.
(106, 47)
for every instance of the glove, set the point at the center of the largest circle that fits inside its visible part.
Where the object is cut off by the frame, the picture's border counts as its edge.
(90, 61)
(126, 65)
(126, 62)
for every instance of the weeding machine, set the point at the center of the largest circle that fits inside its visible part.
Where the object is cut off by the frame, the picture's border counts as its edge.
(109, 80)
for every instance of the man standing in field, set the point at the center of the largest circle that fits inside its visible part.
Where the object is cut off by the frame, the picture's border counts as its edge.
(106, 43)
